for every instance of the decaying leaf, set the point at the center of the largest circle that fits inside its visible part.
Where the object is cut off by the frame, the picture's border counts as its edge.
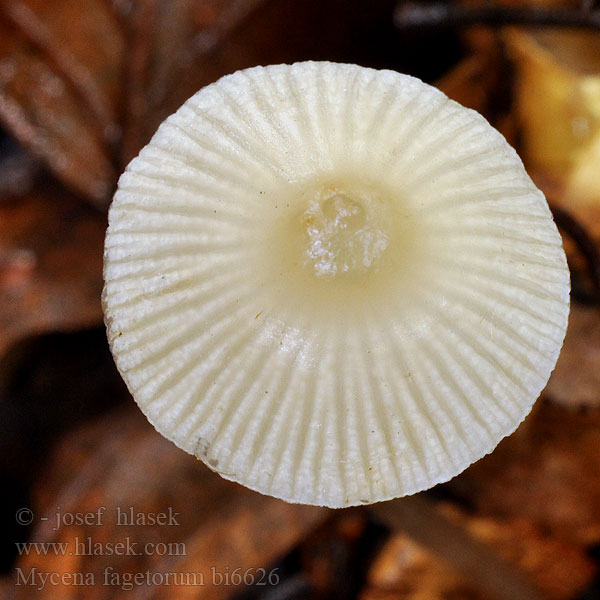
(45, 111)
(575, 381)
(86, 47)
(469, 82)
(50, 263)
(547, 472)
(477, 80)
(405, 569)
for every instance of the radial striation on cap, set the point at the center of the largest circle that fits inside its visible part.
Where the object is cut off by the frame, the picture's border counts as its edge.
(332, 284)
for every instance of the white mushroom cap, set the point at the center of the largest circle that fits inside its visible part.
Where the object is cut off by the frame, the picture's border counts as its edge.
(332, 284)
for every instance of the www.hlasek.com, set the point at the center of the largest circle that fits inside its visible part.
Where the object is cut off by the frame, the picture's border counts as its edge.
(88, 547)
(127, 581)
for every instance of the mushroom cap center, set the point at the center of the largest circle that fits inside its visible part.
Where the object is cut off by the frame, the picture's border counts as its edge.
(342, 234)
(336, 247)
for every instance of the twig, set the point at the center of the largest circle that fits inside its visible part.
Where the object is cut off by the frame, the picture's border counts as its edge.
(448, 16)
(418, 517)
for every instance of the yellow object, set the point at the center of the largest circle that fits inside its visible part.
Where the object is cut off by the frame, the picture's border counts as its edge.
(558, 106)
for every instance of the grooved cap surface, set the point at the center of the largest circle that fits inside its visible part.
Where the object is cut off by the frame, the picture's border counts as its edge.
(332, 284)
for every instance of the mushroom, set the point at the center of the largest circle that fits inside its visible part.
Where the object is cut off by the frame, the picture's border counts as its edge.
(332, 284)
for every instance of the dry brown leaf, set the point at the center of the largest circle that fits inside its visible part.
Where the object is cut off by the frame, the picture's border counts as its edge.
(547, 472)
(50, 264)
(46, 115)
(407, 570)
(470, 82)
(86, 47)
(560, 569)
(575, 381)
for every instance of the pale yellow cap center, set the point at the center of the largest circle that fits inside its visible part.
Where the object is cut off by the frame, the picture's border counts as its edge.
(342, 235)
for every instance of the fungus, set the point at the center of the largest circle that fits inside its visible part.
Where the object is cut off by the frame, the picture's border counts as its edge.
(332, 284)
